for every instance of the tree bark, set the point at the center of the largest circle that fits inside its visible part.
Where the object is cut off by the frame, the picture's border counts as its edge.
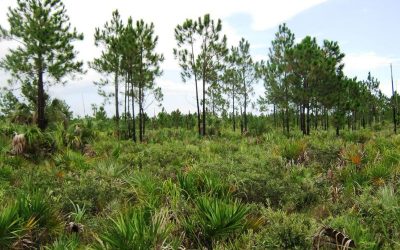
(133, 114)
(125, 116)
(41, 122)
(245, 104)
(116, 103)
(233, 108)
(204, 104)
(287, 120)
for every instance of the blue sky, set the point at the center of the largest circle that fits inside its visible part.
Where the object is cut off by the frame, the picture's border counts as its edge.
(366, 31)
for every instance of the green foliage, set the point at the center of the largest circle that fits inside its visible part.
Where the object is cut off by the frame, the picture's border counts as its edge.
(10, 227)
(293, 150)
(64, 242)
(285, 231)
(37, 207)
(216, 220)
(136, 229)
(45, 35)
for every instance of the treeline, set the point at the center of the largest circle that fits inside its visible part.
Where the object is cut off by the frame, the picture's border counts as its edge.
(307, 80)
(305, 85)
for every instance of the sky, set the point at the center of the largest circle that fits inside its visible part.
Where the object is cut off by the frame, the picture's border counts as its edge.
(366, 30)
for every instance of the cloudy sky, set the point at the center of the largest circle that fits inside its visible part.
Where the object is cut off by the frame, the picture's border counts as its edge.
(367, 32)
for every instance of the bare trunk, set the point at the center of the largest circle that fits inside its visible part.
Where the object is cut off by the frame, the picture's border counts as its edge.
(133, 114)
(125, 116)
(245, 105)
(204, 104)
(41, 122)
(233, 108)
(116, 103)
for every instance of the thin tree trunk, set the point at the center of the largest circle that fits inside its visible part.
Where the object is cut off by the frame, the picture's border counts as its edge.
(140, 115)
(116, 104)
(233, 108)
(308, 119)
(41, 122)
(204, 95)
(287, 120)
(245, 104)
(133, 115)
(303, 119)
(316, 119)
(129, 105)
(125, 116)
(197, 92)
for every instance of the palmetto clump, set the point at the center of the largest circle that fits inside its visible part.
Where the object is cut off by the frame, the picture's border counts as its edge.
(18, 144)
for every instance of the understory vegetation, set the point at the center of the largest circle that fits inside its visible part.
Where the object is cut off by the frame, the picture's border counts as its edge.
(86, 189)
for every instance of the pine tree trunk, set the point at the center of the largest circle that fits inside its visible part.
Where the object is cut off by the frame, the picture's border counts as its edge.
(316, 119)
(287, 120)
(204, 108)
(303, 119)
(116, 104)
(308, 119)
(41, 122)
(233, 109)
(129, 106)
(144, 123)
(245, 105)
(133, 115)
(140, 114)
(125, 116)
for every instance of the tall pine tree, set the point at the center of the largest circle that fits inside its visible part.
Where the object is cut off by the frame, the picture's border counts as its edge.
(45, 48)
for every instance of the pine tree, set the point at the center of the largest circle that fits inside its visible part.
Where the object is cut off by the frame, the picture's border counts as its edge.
(202, 35)
(276, 73)
(45, 49)
(110, 61)
(247, 76)
(232, 81)
(186, 37)
(147, 67)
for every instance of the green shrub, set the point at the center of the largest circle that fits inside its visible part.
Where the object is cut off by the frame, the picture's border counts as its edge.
(65, 243)
(38, 208)
(216, 220)
(293, 150)
(285, 231)
(356, 230)
(10, 226)
(137, 230)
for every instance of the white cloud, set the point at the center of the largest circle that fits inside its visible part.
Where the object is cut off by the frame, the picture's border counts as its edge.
(367, 61)
(259, 57)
